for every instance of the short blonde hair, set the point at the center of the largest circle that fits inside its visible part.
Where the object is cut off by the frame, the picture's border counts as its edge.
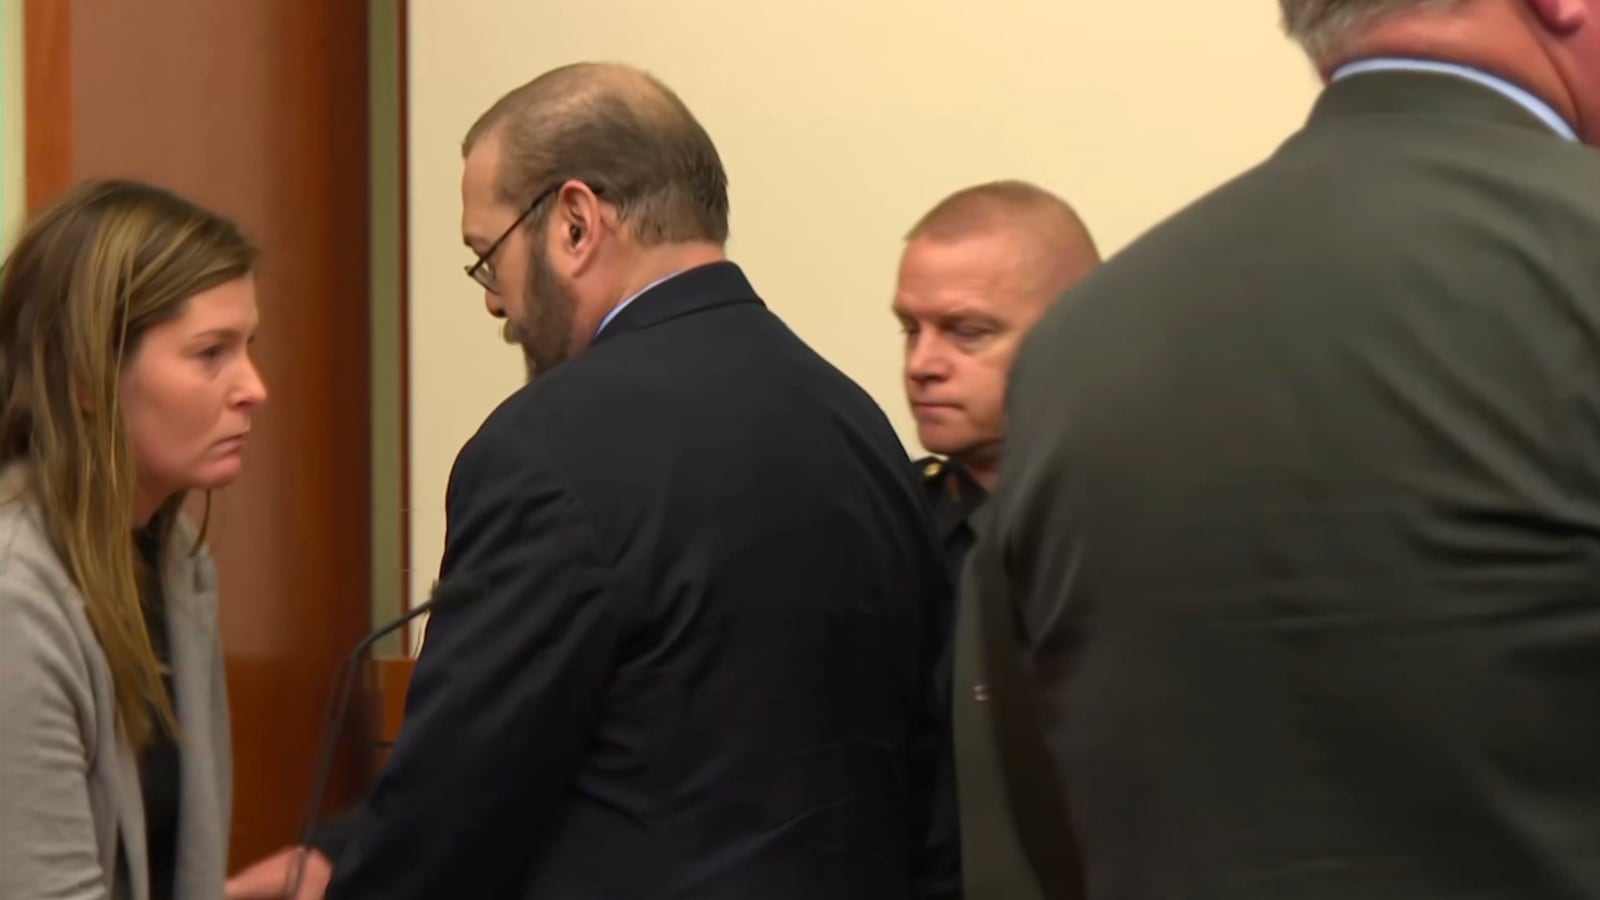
(1062, 244)
(985, 207)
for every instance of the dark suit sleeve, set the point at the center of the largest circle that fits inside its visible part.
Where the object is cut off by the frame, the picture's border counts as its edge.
(936, 869)
(502, 700)
(331, 836)
(1017, 679)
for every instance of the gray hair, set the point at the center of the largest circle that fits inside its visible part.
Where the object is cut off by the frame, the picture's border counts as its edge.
(1324, 26)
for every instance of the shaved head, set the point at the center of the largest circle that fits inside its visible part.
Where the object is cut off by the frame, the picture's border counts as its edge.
(1053, 239)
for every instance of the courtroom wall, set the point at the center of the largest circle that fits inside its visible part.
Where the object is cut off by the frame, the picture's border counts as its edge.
(840, 122)
(13, 178)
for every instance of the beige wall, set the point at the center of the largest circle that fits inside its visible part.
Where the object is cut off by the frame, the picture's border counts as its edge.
(840, 121)
(13, 186)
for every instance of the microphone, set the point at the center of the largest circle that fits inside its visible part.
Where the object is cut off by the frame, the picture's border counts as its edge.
(336, 707)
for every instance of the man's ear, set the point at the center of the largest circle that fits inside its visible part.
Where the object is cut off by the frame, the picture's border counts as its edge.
(579, 212)
(1562, 17)
(581, 220)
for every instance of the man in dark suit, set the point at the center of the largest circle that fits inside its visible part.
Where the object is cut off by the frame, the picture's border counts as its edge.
(1300, 508)
(978, 270)
(703, 662)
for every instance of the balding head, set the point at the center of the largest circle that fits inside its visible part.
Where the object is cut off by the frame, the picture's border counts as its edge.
(978, 271)
(617, 129)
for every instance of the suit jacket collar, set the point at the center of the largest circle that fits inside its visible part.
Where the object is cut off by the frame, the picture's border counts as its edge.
(1422, 94)
(690, 291)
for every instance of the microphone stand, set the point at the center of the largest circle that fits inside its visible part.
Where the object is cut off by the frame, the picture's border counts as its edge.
(335, 709)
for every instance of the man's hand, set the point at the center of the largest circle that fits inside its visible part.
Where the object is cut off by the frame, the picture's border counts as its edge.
(272, 878)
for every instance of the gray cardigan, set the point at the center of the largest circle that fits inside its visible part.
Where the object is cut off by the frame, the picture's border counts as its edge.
(71, 815)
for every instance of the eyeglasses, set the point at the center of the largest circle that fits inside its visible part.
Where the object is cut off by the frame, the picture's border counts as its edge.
(482, 270)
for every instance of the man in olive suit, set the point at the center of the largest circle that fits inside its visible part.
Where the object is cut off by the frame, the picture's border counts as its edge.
(1299, 513)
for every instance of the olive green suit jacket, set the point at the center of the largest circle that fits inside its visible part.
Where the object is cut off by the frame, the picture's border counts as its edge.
(1300, 520)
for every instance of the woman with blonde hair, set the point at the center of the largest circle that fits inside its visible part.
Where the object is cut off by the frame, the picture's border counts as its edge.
(126, 318)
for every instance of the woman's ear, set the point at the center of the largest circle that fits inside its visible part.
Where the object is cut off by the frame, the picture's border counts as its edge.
(85, 398)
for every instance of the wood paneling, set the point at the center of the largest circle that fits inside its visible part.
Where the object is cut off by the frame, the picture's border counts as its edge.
(47, 98)
(404, 137)
(387, 680)
(256, 108)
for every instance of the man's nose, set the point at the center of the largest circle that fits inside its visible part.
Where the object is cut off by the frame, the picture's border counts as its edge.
(925, 358)
(492, 302)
